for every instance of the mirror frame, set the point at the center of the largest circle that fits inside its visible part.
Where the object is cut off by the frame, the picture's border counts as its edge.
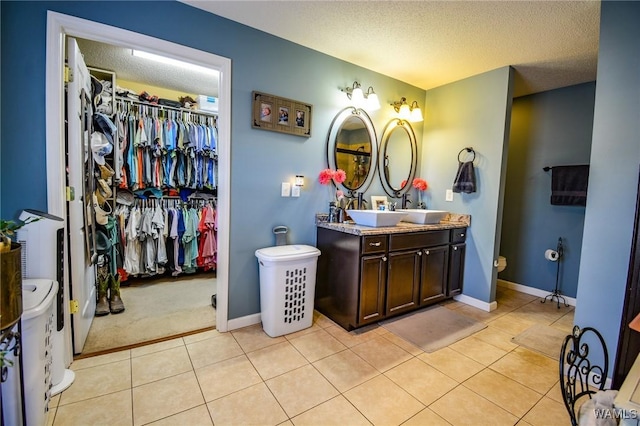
(334, 128)
(383, 158)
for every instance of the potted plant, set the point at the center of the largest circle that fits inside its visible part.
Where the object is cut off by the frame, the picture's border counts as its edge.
(10, 278)
(10, 272)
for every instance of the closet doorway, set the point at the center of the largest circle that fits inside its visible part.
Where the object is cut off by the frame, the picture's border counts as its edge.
(62, 26)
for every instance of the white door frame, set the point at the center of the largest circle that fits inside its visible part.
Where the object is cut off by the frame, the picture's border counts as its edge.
(59, 25)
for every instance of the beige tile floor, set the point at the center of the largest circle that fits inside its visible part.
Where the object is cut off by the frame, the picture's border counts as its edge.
(326, 376)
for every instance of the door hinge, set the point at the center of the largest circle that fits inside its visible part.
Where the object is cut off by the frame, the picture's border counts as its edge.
(68, 74)
(74, 307)
(71, 193)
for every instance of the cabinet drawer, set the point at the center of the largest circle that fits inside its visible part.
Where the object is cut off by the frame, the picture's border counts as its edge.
(458, 235)
(374, 244)
(418, 240)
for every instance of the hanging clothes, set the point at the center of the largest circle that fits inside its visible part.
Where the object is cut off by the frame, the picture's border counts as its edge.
(159, 239)
(172, 151)
(208, 246)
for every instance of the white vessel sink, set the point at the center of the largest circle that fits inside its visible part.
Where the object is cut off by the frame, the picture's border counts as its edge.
(376, 218)
(423, 217)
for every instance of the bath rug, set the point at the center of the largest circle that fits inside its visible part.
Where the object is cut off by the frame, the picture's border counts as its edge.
(543, 339)
(433, 328)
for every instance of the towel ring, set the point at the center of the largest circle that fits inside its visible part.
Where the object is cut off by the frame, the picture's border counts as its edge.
(468, 149)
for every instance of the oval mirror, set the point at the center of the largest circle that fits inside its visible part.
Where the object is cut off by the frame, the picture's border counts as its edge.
(398, 157)
(351, 146)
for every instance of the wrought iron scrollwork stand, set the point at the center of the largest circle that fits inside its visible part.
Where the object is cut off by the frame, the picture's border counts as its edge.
(555, 294)
(11, 341)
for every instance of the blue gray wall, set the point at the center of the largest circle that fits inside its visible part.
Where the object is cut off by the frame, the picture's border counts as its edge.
(613, 179)
(260, 160)
(474, 112)
(547, 129)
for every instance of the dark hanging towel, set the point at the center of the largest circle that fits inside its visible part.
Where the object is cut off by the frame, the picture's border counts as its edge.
(465, 180)
(569, 185)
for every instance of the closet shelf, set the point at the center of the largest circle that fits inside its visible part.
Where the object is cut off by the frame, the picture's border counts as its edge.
(165, 107)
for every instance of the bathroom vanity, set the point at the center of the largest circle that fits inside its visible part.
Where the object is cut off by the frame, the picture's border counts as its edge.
(367, 274)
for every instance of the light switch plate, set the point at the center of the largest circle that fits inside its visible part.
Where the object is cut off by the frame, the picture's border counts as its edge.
(286, 189)
(449, 195)
(295, 191)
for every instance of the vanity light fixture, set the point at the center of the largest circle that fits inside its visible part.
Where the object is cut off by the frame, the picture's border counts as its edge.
(359, 99)
(299, 181)
(408, 113)
(373, 103)
(416, 112)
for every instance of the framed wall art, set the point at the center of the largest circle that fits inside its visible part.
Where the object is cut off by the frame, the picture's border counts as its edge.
(280, 114)
(378, 201)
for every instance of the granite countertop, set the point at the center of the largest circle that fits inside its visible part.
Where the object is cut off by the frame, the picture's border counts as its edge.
(451, 221)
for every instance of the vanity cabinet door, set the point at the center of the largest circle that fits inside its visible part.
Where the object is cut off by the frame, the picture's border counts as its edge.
(456, 268)
(435, 272)
(403, 281)
(373, 282)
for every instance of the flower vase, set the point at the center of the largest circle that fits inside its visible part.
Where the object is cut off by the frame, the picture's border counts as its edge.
(420, 205)
(333, 212)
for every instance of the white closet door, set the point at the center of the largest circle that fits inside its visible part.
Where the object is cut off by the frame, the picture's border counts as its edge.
(82, 271)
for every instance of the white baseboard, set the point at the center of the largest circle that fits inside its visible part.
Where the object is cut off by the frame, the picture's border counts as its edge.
(533, 291)
(488, 307)
(236, 323)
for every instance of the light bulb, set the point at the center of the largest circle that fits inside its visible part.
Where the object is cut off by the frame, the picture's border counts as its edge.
(357, 97)
(405, 112)
(416, 114)
(373, 103)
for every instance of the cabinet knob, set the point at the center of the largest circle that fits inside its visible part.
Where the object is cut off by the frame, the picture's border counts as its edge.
(426, 252)
(384, 258)
(419, 253)
(375, 244)
(455, 248)
(462, 234)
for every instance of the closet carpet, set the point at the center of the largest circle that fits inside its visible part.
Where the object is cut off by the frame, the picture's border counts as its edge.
(155, 308)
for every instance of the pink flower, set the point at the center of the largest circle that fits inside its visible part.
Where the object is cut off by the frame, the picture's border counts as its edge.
(420, 184)
(325, 176)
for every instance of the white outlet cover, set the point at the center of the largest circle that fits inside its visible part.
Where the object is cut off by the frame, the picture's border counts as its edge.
(449, 195)
(286, 189)
(295, 191)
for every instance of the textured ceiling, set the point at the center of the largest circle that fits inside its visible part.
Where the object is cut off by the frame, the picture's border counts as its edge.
(551, 44)
(127, 67)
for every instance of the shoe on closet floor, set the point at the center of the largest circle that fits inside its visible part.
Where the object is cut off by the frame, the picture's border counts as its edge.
(102, 307)
(116, 305)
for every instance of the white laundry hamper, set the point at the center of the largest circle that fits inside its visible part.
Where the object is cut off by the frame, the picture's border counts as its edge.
(37, 327)
(287, 287)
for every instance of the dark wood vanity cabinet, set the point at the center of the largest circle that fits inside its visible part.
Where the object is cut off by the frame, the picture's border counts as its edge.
(456, 262)
(435, 273)
(403, 281)
(372, 288)
(364, 279)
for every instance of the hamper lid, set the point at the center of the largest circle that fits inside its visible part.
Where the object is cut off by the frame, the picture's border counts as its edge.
(37, 296)
(287, 252)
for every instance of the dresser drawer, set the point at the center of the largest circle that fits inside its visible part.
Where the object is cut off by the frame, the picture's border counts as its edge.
(458, 235)
(374, 244)
(418, 240)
